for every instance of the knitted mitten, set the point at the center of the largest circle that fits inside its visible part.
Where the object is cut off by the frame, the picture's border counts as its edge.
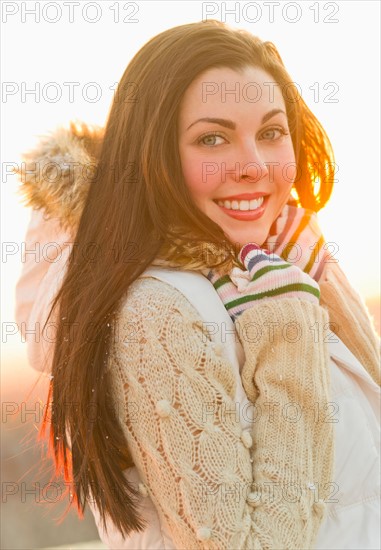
(264, 277)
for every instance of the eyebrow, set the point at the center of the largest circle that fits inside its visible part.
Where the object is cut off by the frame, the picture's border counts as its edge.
(232, 125)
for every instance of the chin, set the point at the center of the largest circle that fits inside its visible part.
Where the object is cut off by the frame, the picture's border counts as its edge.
(240, 232)
(240, 238)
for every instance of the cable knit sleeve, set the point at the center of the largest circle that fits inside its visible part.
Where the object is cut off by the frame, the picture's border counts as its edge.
(206, 476)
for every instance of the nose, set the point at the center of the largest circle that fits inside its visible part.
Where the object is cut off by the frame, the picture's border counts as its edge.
(251, 165)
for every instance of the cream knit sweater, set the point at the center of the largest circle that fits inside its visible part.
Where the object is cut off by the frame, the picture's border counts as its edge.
(214, 485)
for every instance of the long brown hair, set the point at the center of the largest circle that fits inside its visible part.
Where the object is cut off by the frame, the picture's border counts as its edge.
(138, 207)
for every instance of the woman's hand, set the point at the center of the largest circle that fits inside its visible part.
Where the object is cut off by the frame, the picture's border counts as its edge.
(296, 236)
(263, 277)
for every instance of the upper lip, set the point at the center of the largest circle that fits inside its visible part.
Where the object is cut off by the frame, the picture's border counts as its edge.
(243, 196)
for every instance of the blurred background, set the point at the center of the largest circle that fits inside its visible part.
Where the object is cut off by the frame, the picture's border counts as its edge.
(72, 54)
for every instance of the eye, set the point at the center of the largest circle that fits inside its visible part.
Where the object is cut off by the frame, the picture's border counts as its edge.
(268, 134)
(209, 139)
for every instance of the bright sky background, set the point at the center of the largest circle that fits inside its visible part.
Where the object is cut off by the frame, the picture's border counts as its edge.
(315, 53)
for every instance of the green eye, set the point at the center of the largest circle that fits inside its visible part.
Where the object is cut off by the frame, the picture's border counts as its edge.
(209, 140)
(211, 136)
(270, 133)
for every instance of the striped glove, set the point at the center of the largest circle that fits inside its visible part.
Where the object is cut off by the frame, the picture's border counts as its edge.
(297, 238)
(263, 277)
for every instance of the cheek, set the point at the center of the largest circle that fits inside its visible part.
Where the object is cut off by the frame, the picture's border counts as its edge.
(285, 169)
(199, 178)
(193, 179)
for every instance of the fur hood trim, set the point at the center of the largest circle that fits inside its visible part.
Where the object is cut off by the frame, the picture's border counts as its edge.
(55, 175)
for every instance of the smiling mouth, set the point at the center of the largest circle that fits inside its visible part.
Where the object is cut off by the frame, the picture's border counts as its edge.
(244, 210)
(241, 205)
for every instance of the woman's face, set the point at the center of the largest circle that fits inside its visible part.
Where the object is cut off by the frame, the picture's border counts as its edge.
(242, 156)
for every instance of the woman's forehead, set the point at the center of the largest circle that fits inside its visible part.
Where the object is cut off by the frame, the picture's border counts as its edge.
(237, 90)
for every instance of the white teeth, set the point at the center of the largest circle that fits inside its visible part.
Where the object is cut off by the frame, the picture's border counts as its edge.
(242, 205)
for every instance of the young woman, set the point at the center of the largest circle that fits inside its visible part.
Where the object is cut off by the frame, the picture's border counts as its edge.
(179, 224)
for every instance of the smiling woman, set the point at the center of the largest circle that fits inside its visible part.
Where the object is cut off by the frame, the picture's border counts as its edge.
(212, 314)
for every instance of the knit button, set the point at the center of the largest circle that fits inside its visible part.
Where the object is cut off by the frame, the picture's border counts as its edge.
(218, 349)
(253, 499)
(143, 489)
(247, 440)
(204, 533)
(163, 408)
(311, 486)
